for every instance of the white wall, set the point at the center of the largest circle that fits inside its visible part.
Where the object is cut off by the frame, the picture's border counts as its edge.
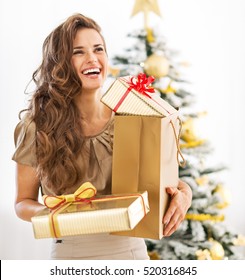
(208, 33)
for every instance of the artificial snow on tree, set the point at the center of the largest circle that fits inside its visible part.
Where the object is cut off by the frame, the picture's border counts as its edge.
(203, 234)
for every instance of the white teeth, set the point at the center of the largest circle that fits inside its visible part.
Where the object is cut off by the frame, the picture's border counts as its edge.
(91, 70)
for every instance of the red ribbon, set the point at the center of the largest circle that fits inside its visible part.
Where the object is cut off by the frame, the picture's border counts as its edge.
(141, 84)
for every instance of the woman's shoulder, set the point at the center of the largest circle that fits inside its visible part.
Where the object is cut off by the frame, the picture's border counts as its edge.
(25, 127)
(25, 141)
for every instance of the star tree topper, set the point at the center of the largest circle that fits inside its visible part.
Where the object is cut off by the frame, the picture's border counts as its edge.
(146, 6)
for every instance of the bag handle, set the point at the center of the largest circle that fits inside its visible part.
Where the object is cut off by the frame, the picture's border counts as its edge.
(177, 139)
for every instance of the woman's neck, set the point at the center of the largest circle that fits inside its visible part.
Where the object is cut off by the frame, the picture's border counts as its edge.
(94, 114)
(89, 105)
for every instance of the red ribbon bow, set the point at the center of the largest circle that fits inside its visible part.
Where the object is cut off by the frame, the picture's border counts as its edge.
(141, 83)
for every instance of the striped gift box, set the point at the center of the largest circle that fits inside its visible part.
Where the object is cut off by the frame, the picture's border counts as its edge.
(110, 213)
(126, 98)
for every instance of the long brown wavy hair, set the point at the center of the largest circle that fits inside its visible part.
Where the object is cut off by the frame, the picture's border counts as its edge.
(53, 110)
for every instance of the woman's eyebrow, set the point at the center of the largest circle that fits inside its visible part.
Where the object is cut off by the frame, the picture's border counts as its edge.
(81, 47)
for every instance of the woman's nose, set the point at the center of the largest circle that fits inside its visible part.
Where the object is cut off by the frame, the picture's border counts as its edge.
(91, 58)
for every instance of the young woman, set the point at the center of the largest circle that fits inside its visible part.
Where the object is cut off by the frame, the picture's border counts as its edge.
(65, 139)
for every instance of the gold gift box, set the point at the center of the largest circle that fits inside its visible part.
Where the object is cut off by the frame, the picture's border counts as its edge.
(124, 100)
(103, 214)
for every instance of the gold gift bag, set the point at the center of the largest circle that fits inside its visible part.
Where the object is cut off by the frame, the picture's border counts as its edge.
(146, 157)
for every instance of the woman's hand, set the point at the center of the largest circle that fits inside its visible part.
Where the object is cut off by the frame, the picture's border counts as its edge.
(179, 204)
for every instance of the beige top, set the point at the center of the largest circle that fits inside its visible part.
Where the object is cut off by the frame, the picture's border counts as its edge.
(95, 158)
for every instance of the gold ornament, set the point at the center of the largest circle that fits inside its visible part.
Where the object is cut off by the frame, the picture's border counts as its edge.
(188, 134)
(225, 196)
(169, 89)
(156, 65)
(114, 71)
(146, 6)
(204, 217)
(149, 35)
(203, 254)
(192, 144)
(154, 255)
(203, 180)
(216, 251)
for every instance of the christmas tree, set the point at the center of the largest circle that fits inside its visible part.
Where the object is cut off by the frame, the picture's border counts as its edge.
(203, 234)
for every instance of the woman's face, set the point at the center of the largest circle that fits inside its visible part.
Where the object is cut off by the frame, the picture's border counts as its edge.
(89, 58)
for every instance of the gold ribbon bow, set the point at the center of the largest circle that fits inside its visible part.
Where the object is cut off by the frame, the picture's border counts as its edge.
(58, 203)
(86, 190)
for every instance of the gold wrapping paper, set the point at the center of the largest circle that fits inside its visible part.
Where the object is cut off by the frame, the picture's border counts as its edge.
(104, 214)
(145, 158)
(122, 98)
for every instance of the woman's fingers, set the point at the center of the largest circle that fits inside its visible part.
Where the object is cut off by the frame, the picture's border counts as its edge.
(173, 223)
(177, 209)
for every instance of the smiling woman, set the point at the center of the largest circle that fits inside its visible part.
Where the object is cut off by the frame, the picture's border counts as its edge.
(66, 139)
(65, 136)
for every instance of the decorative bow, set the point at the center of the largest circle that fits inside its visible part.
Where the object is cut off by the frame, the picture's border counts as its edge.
(85, 192)
(57, 204)
(141, 84)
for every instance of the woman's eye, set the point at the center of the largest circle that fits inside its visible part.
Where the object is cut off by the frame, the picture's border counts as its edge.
(78, 52)
(99, 49)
